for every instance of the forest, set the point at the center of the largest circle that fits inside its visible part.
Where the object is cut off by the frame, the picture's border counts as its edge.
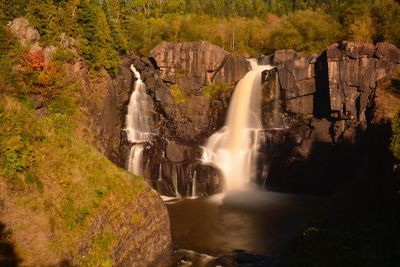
(105, 29)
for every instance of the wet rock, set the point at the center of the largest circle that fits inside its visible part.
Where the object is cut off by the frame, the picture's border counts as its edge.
(175, 152)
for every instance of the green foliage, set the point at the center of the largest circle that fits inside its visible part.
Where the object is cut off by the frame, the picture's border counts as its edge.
(178, 96)
(42, 14)
(350, 245)
(96, 45)
(17, 156)
(385, 15)
(101, 249)
(12, 9)
(359, 24)
(213, 90)
(63, 103)
(395, 141)
(10, 52)
(307, 31)
(61, 176)
(64, 55)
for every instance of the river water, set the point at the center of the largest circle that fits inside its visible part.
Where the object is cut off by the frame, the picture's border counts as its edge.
(257, 222)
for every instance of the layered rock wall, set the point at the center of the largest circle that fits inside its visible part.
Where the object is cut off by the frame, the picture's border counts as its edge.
(325, 100)
(190, 84)
(329, 99)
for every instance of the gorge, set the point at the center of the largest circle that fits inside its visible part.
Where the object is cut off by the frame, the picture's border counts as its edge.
(316, 124)
(317, 113)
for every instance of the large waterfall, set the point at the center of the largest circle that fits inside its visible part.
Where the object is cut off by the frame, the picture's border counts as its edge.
(234, 148)
(137, 127)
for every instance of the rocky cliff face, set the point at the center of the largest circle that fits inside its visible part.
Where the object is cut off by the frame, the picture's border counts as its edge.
(190, 85)
(325, 101)
(329, 99)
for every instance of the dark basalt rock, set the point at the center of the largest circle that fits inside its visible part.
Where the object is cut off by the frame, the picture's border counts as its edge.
(330, 110)
(325, 101)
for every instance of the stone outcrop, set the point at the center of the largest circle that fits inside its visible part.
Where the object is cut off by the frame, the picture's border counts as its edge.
(190, 85)
(324, 100)
(201, 61)
(329, 99)
(104, 107)
(141, 239)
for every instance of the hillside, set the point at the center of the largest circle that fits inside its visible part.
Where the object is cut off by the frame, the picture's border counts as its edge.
(62, 201)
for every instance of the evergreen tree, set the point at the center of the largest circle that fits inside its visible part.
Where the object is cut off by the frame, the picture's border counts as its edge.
(96, 43)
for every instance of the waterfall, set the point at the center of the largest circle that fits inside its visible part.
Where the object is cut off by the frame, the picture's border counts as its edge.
(194, 190)
(137, 127)
(234, 148)
(175, 180)
(135, 164)
(160, 172)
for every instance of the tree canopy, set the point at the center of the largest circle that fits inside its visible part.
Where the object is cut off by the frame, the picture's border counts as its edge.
(105, 29)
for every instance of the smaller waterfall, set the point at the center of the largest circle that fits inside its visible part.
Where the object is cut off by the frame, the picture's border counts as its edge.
(135, 164)
(160, 173)
(194, 189)
(175, 180)
(137, 127)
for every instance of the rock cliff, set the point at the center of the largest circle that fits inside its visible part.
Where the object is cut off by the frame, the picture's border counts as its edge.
(329, 99)
(325, 101)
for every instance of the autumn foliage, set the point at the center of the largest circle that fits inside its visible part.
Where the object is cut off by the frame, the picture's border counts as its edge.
(35, 59)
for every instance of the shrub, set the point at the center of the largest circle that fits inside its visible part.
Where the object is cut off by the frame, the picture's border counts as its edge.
(178, 96)
(395, 140)
(305, 31)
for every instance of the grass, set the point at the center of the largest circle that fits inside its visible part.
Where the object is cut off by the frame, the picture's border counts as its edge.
(213, 90)
(52, 173)
(177, 94)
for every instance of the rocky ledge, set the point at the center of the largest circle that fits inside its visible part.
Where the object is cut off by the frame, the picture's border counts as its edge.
(326, 100)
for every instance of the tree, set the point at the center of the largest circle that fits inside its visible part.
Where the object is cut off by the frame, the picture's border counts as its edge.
(96, 44)
(305, 31)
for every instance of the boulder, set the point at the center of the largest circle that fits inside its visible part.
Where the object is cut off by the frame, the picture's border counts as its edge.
(26, 34)
(357, 50)
(197, 60)
(388, 51)
(175, 152)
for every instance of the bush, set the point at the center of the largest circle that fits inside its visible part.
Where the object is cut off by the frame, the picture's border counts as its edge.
(395, 140)
(178, 96)
(306, 31)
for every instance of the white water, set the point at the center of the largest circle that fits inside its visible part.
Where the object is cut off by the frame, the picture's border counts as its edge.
(194, 189)
(137, 127)
(175, 180)
(233, 149)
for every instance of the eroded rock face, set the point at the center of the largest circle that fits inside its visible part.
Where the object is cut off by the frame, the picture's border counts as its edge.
(326, 97)
(141, 239)
(201, 61)
(329, 98)
(190, 85)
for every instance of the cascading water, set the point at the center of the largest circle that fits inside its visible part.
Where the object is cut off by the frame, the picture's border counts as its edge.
(194, 188)
(137, 127)
(234, 148)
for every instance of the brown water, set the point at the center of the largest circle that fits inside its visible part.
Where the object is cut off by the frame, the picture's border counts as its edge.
(257, 222)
